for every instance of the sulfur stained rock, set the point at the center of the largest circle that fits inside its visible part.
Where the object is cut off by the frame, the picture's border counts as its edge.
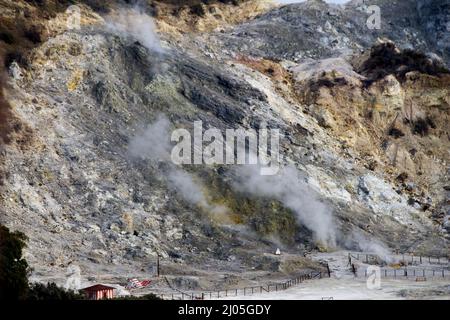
(79, 196)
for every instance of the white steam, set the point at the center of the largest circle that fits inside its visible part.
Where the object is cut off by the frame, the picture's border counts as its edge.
(134, 24)
(192, 192)
(154, 143)
(290, 188)
(73, 274)
(185, 184)
(372, 245)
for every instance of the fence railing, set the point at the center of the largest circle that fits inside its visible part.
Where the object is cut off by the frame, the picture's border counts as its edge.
(407, 273)
(402, 272)
(405, 258)
(180, 295)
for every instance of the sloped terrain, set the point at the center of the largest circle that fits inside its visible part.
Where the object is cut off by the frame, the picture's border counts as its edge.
(364, 147)
(315, 29)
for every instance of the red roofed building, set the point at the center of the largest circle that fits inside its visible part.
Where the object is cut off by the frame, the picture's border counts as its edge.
(98, 292)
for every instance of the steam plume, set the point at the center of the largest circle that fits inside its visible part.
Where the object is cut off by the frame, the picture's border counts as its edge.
(372, 245)
(73, 274)
(290, 188)
(132, 23)
(154, 144)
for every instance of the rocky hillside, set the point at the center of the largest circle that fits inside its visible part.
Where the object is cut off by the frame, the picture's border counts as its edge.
(85, 112)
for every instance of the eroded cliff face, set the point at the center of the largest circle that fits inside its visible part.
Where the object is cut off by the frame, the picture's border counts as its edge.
(366, 138)
(315, 29)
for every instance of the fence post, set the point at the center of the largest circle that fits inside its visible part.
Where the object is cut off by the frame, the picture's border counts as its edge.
(236, 292)
(420, 259)
(395, 273)
(442, 273)
(226, 293)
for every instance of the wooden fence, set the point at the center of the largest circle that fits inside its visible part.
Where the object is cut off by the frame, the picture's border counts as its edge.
(408, 273)
(403, 272)
(180, 295)
(404, 258)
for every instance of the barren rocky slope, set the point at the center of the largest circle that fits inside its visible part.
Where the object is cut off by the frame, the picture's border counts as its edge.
(364, 122)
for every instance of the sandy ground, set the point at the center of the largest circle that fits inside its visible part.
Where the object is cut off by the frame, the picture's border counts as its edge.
(356, 289)
(341, 286)
(344, 286)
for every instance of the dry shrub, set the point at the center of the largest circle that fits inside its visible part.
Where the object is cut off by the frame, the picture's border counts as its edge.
(386, 59)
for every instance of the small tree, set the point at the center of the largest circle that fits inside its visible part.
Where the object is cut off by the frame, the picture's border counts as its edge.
(40, 291)
(13, 268)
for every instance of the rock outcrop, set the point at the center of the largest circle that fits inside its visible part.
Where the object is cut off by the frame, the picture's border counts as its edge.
(368, 137)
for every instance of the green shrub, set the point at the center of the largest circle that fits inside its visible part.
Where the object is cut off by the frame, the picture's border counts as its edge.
(420, 126)
(198, 10)
(149, 296)
(40, 291)
(13, 268)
